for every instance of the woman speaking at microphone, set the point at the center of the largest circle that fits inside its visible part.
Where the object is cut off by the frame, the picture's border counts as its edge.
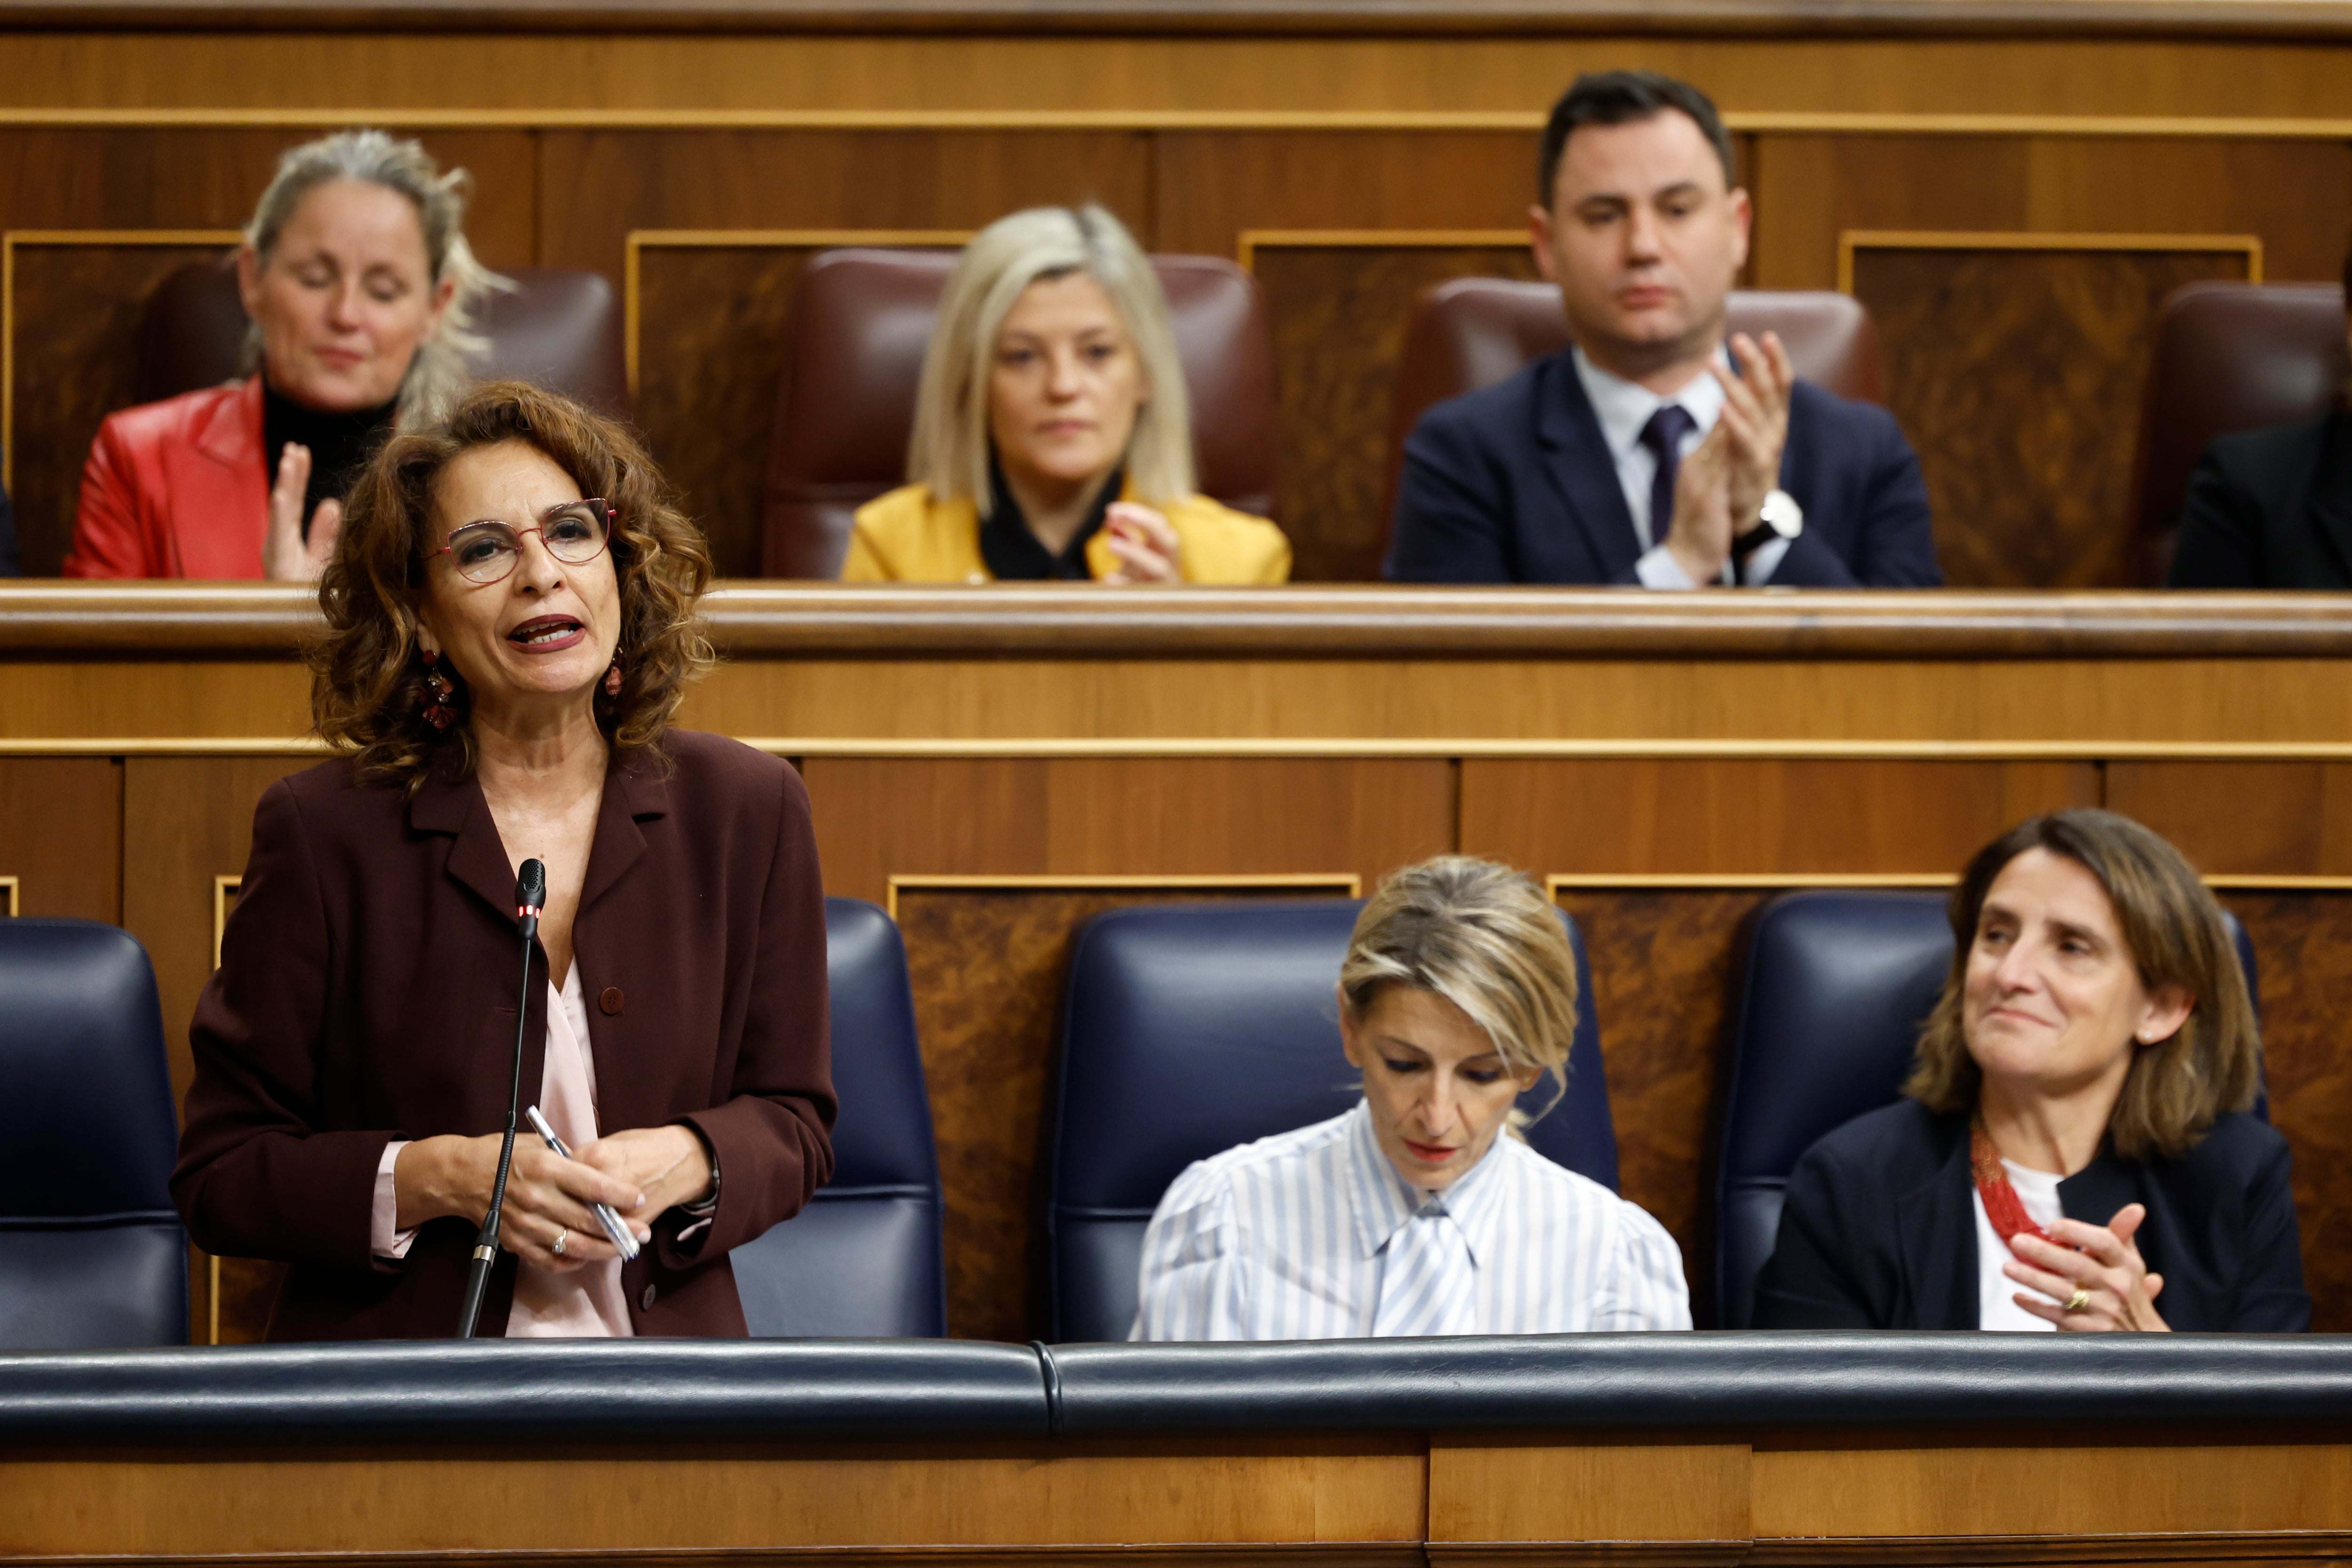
(510, 625)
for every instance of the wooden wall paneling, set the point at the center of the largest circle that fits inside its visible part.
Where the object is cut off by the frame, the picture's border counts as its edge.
(713, 302)
(987, 966)
(2232, 818)
(1337, 305)
(185, 821)
(2016, 365)
(877, 818)
(1682, 1502)
(69, 306)
(1360, 1496)
(1768, 816)
(2302, 959)
(61, 836)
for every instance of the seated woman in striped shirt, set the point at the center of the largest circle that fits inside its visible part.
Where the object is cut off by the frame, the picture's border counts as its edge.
(1420, 1211)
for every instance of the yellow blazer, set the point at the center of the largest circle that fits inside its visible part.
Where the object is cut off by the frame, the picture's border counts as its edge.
(907, 537)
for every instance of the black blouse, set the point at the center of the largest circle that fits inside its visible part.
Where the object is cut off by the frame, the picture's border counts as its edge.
(341, 443)
(1013, 553)
(1879, 1228)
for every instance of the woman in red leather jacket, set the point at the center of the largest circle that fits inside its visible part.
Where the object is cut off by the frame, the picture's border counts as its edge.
(357, 277)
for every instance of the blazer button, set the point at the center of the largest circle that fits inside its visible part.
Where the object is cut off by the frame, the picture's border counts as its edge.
(610, 1001)
(646, 1300)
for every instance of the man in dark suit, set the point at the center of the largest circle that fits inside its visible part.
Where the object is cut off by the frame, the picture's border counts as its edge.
(1652, 452)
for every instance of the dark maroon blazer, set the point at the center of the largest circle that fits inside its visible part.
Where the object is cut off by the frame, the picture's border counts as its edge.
(367, 990)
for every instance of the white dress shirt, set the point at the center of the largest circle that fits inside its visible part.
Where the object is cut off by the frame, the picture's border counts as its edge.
(1624, 409)
(1997, 1306)
(1294, 1238)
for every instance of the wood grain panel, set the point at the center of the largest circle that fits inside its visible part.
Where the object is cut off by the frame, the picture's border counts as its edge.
(2297, 195)
(2049, 1490)
(1339, 316)
(1665, 979)
(74, 314)
(185, 820)
(1166, 817)
(1509, 1490)
(2015, 374)
(1207, 1493)
(2303, 954)
(61, 836)
(1211, 185)
(1560, 817)
(988, 968)
(2283, 818)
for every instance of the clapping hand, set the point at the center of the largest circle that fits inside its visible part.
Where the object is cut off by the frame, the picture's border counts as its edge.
(2093, 1277)
(1145, 543)
(1720, 488)
(286, 555)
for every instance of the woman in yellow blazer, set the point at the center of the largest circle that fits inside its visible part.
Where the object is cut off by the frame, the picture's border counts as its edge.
(1052, 440)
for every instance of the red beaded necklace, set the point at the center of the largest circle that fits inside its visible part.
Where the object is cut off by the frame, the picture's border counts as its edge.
(2002, 1206)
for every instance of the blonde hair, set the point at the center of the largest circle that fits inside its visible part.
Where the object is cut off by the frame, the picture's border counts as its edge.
(2176, 935)
(440, 371)
(948, 449)
(1485, 938)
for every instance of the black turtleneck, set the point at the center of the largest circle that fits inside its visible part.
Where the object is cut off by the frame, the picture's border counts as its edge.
(1013, 553)
(339, 442)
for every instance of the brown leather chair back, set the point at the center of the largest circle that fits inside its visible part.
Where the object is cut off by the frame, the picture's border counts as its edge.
(1475, 332)
(2227, 356)
(561, 329)
(854, 336)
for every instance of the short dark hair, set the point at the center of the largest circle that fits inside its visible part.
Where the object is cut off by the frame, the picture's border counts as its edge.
(1621, 98)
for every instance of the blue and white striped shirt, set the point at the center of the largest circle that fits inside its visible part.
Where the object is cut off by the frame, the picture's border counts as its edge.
(1287, 1238)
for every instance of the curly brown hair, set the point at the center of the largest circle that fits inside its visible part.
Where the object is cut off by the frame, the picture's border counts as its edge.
(367, 671)
(2177, 936)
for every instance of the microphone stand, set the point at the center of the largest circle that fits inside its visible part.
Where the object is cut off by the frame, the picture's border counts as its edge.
(531, 894)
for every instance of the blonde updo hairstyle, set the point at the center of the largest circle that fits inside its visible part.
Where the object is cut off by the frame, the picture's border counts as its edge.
(442, 368)
(948, 449)
(1484, 937)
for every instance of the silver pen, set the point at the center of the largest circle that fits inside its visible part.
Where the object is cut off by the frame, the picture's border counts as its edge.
(615, 1227)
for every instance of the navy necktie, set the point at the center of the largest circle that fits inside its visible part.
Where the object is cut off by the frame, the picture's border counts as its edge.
(1663, 436)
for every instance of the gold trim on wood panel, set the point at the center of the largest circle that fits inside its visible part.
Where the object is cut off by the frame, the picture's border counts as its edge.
(1253, 239)
(642, 239)
(1755, 881)
(1345, 884)
(1850, 240)
(8, 905)
(13, 237)
(212, 1296)
(223, 888)
(1829, 122)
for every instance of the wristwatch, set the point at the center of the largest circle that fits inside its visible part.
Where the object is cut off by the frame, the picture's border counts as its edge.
(1779, 517)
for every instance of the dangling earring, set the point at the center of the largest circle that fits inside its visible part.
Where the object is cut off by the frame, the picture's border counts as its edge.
(438, 689)
(613, 678)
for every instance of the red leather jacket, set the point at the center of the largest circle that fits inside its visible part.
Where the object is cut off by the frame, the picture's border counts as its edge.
(175, 488)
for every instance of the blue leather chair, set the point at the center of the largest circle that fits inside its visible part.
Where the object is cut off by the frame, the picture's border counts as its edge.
(92, 1254)
(1837, 985)
(864, 1258)
(1189, 1028)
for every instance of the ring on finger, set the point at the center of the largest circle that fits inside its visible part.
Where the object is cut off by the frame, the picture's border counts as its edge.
(561, 1235)
(2074, 1303)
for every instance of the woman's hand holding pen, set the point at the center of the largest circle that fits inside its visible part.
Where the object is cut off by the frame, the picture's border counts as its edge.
(547, 1196)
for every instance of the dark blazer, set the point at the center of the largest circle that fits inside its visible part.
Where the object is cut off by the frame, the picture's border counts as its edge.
(1515, 483)
(366, 992)
(1879, 1230)
(2270, 508)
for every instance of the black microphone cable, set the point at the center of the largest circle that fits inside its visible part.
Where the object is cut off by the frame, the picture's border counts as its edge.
(531, 894)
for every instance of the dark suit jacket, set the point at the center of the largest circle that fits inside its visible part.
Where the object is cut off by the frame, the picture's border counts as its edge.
(1879, 1229)
(1515, 483)
(2270, 508)
(367, 992)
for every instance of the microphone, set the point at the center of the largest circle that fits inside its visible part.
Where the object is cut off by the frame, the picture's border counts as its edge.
(531, 894)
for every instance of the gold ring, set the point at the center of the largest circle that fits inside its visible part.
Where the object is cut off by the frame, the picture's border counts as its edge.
(2076, 1302)
(558, 1247)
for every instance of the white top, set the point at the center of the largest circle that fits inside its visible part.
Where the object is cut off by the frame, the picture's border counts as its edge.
(1624, 409)
(2038, 1190)
(1312, 1235)
(586, 1303)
